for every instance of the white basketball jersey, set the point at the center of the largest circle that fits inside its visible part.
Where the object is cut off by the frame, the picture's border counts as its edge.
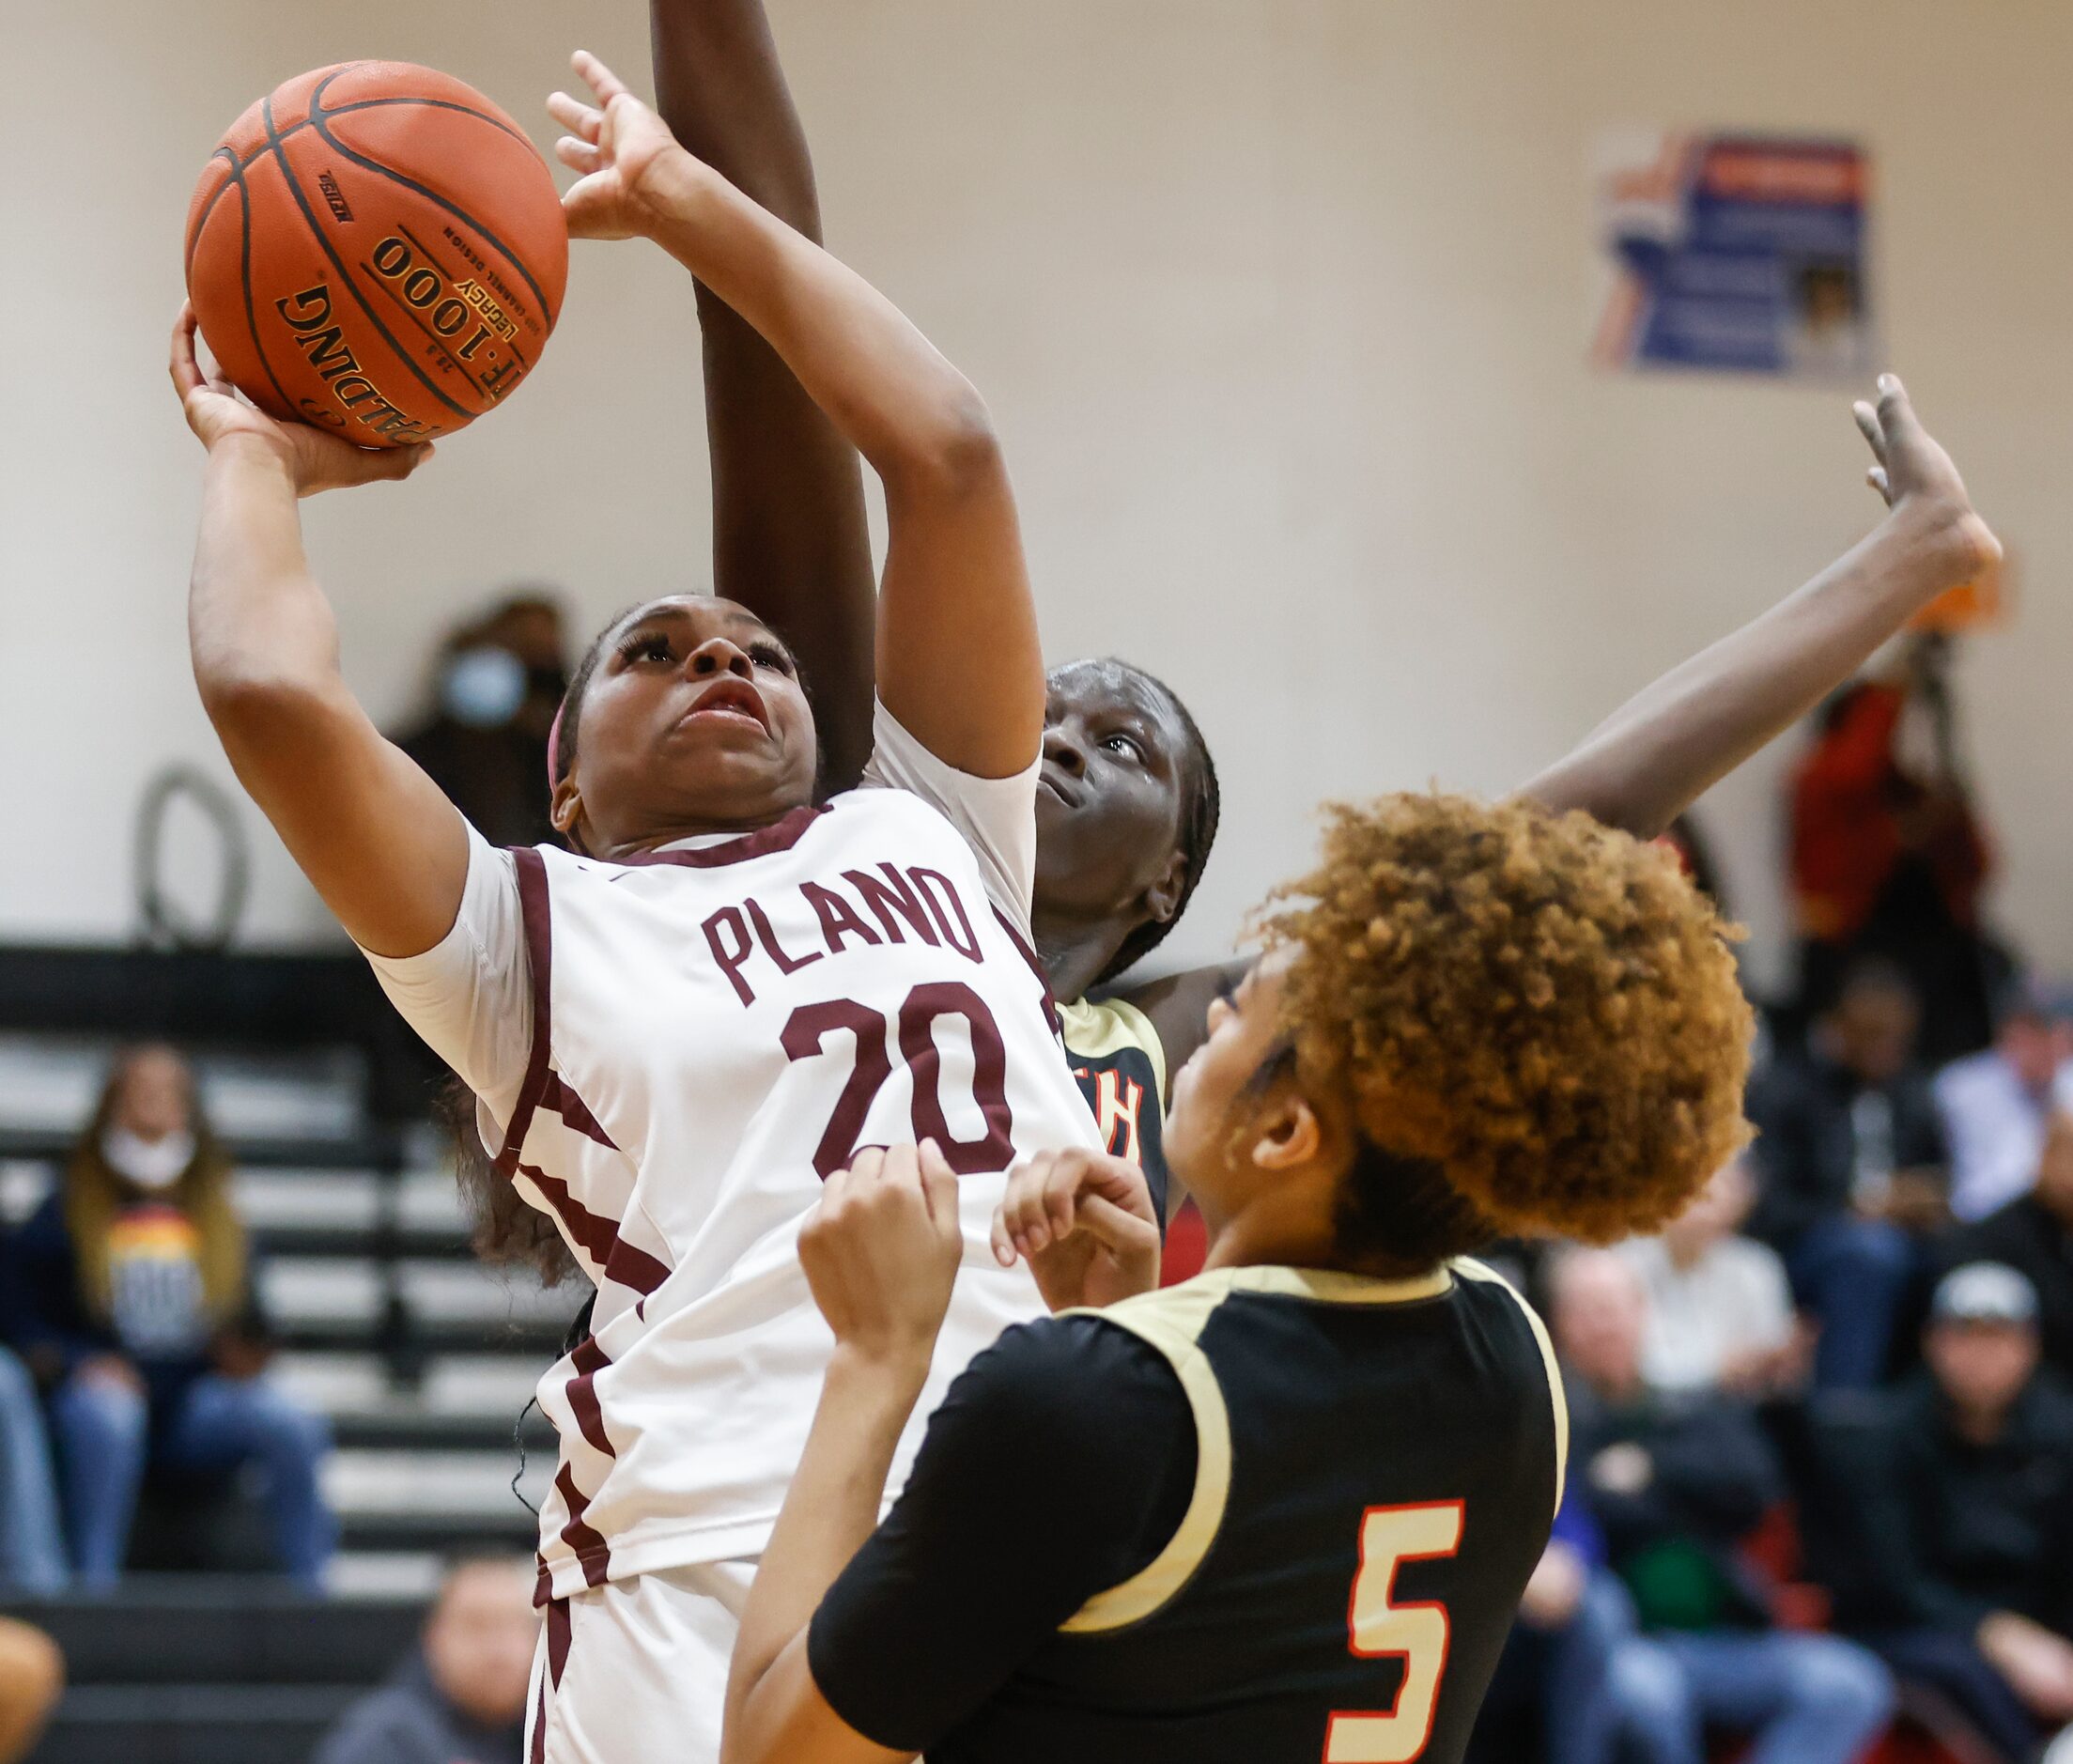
(715, 1028)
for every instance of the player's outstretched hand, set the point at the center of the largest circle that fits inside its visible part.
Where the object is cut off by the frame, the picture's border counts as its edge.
(621, 147)
(1085, 1224)
(881, 1252)
(316, 458)
(1917, 479)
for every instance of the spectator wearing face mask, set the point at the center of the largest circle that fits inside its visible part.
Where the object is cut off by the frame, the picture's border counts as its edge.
(1850, 1156)
(1970, 1516)
(500, 684)
(134, 1300)
(1719, 1307)
(459, 1698)
(1997, 1102)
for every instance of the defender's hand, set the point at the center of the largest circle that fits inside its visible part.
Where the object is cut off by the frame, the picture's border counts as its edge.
(1085, 1224)
(1917, 479)
(881, 1253)
(622, 147)
(316, 458)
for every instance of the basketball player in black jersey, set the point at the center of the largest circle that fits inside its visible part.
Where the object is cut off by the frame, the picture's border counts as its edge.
(1284, 1512)
(1129, 805)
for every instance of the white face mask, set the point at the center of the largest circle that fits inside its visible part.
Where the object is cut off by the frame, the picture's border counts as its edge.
(153, 1164)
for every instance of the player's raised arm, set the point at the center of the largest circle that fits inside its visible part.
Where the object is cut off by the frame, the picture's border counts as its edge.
(1655, 755)
(958, 662)
(373, 833)
(790, 539)
(1662, 750)
(880, 1253)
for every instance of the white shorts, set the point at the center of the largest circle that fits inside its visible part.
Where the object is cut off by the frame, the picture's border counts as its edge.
(637, 1668)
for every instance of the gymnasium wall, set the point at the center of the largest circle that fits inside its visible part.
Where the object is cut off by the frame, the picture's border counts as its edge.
(1281, 304)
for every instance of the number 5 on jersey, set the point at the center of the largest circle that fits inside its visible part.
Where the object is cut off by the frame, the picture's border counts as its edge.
(1415, 1633)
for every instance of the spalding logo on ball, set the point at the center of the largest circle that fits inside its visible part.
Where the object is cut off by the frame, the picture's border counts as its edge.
(378, 249)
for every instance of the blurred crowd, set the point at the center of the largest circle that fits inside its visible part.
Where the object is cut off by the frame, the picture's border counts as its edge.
(1822, 1428)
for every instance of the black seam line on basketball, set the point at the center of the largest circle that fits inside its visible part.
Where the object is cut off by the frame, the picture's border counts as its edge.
(295, 129)
(317, 112)
(194, 237)
(524, 366)
(459, 214)
(465, 369)
(318, 109)
(345, 276)
(244, 281)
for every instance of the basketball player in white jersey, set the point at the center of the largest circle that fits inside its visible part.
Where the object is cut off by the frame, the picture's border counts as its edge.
(680, 1027)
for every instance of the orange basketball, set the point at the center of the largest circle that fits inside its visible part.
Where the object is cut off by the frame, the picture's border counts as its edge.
(379, 249)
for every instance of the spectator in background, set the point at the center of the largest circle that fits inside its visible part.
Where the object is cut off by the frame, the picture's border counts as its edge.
(1574, 1619)
(134, 1300)
(1995, 1102)
(1973, 1515)
(460, 1699)
(500, 682)
(1676, 1482)
(1849, 1157)
(1888, 857)
(1719, 1307)
(2034, 1234)
(32, 1679)
(32, 1547)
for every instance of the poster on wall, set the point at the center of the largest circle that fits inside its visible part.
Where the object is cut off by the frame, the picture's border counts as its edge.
(1736, 254)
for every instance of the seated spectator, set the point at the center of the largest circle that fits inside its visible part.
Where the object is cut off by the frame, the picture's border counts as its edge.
(1676, 1482)
(32, 1548)
(500, 685)
(134, 1300)
(1719, 1311)
(1972, 1515)
(32, 1679)
(2033, 1234)
(1576, 1618)
(460, 1699)
(1850, 1160)
(1996, 1103)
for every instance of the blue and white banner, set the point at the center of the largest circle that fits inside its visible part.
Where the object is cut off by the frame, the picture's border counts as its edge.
(1735, 253)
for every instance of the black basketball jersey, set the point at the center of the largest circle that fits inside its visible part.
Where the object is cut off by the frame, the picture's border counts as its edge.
(1375, 1467)
(1117, 1057)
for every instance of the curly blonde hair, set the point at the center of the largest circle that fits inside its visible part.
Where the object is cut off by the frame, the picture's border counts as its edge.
(1536, 1020)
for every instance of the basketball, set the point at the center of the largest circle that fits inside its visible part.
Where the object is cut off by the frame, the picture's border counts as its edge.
(378, 249)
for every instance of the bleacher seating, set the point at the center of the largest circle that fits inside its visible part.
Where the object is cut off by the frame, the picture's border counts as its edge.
(421, 1359)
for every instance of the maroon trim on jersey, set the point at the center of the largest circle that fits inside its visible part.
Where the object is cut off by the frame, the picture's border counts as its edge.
(596, 1235)
(559, 1098)
(781, 835)
(589, 1359)
(539, 947)
(592, 1554)
(1036, 968)
(558, 1640)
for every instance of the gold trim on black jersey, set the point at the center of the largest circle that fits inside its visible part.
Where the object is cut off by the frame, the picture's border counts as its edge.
(1173, 1321)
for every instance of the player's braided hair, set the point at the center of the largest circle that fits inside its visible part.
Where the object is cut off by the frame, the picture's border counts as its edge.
(1536, 1020)
(1201, 806)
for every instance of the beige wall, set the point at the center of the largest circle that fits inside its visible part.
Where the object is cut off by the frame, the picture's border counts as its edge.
(1281, 304)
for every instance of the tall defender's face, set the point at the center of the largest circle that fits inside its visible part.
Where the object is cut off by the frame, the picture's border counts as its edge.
(694, 717)
(1109, 799)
